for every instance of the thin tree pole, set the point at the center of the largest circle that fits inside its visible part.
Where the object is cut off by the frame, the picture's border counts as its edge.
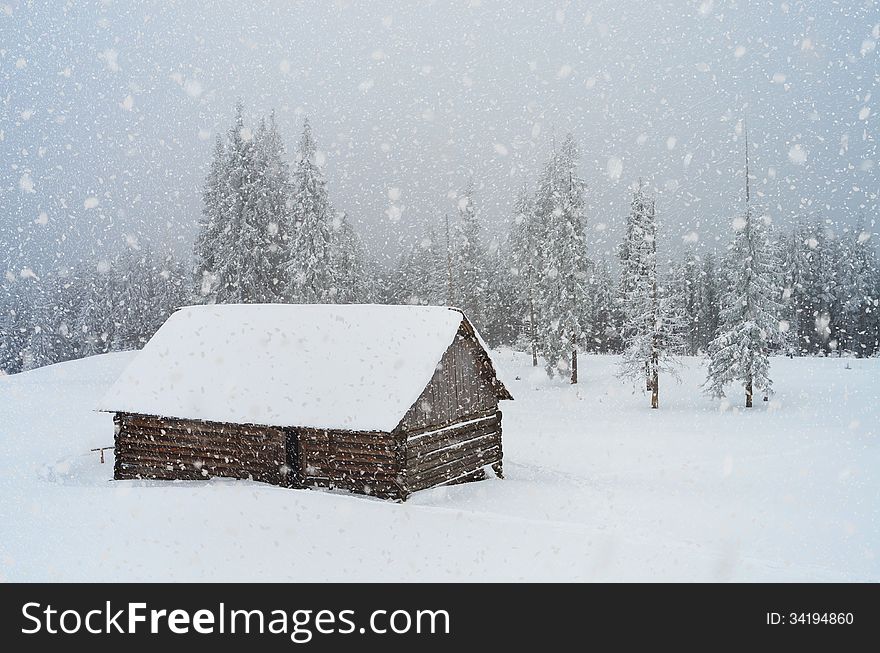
(449, 301)
(574, 351)
(532, 325)
(530, 274)
(655, 312)
(748, 225)
(642, 271)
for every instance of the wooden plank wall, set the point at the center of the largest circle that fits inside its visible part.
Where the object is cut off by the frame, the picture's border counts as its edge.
(365, 462)
(164, 448)
(459, 388)
(455, 453)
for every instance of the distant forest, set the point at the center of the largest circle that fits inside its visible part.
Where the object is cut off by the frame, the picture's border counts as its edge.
(269, 232)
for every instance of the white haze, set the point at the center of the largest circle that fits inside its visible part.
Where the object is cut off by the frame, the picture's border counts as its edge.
(108, 111)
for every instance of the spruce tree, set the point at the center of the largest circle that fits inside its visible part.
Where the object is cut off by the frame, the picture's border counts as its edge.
(708, 303)
(15, 320)
(652, 329)
(210, 228)
(468, 254)
(233, 259)
(310, 270)
(349, 264)
(564, 277)
(524, 250)
(749, 319)
(685, 286)
(504, 321)
(268, 217)
(604, 320)
(860, 293)
(420, 276)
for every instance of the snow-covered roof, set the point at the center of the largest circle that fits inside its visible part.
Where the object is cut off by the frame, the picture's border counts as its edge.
(352, 367)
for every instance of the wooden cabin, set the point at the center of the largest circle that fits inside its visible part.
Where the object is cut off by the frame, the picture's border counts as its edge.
(378, 400)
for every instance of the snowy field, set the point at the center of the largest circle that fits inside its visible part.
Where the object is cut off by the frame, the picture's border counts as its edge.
(598, 487)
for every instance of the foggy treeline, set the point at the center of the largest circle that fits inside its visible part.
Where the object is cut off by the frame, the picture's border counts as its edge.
(269, 232)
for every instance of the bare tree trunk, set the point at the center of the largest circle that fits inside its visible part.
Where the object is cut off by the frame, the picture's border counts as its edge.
(574, 365)
(449, 300)
(749, 392)
(648, 376)
(655, 384)
(532, 326)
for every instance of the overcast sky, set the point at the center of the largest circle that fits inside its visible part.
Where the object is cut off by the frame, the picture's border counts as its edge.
(108, 110)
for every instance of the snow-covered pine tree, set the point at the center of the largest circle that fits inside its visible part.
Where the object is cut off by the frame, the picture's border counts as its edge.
(348, 264)
(170, 293)
(820, 304)
(268, 217)
(861, 293)
(244, 236)
(234, 263)
(708, 303)
(310, 268)
(210, 228)
(797, 307)
(652, 329)
(420, 277)
(684, 290)
(41, 348)
(468, 258)
(147, 288)
(634, 290)
(503, 322)
(524, 252)
(133, 295)
(564, 277)
(749, 319)
(14, 320)
(603, 319)
(97, 318)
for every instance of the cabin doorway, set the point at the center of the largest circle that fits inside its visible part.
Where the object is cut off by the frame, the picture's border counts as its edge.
(291, 448)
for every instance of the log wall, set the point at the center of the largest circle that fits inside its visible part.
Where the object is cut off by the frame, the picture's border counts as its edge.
(365, 462)
(164, 448)
(454, 453)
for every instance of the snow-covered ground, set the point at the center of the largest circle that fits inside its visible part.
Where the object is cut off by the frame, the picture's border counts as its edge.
(598, 487)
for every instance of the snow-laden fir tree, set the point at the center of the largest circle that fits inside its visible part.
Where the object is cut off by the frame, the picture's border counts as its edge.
(684, 289)
(46, 335)
(16, 321)
(468, 256)
(349, 264)
(503, 322)
(244, 236)
(234, 263)
(524, 252)
(604, 318)
(134, 282)
(210, 228)
(146, 289)
(311, 275)
(708, 303)
(268, 216)
(563, 278)
(420, 275)
(652, 329)
(98, 317)
(822, 290)
(861, 292)
(749, 319)
(794, 259)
